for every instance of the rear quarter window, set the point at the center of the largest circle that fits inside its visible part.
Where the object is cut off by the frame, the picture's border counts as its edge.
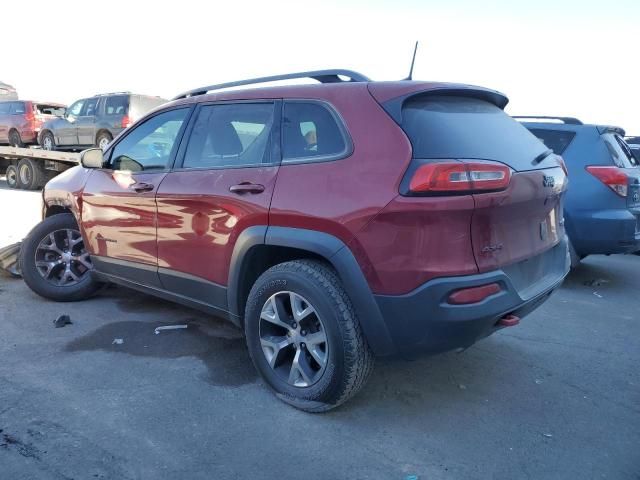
(556, 140)
(453, 127)
(117, 105)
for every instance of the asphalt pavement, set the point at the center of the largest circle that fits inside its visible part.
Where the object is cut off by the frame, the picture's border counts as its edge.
(556, 397)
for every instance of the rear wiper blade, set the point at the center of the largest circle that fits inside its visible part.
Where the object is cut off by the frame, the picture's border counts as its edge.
(542, 156)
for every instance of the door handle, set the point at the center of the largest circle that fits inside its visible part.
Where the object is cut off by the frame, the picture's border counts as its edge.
(142, 187)
(246, 187)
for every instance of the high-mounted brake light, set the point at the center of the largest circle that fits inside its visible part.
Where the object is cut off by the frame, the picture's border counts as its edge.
(612, 177)
(459, 176)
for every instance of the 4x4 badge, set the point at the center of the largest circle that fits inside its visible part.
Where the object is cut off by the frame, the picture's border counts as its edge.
(548, 181)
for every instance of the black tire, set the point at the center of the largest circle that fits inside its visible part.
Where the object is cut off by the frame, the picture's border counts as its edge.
(103, 137)
(349, 361)
(80, 290)
(47, 141)
(15, 140)
(12, 176)
(31, 175)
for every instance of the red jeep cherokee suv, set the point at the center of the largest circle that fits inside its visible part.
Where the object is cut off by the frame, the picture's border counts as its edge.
(332, 222)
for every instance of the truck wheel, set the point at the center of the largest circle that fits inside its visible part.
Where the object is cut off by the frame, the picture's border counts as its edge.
(304, 338)
(12, 176)
(48, 142)
(30, 174)
(15, 140)
(54, 261)
(103, 139)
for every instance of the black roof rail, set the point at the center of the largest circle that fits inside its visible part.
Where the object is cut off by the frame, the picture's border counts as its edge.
(566, 120)
(322, 76)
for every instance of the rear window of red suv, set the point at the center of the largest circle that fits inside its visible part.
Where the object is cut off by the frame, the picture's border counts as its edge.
(454, 127)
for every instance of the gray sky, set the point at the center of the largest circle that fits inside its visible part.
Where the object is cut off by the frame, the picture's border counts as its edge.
(550, 57)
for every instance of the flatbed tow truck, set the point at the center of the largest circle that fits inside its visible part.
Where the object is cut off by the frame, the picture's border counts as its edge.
(31, 168)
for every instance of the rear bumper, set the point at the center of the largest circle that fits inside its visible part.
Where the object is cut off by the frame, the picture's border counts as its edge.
(606, 231)
(423, 322)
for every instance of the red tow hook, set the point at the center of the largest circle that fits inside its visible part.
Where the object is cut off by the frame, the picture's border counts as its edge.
(508, 321)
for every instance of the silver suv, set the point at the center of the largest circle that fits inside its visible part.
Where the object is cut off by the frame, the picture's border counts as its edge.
(95, 121)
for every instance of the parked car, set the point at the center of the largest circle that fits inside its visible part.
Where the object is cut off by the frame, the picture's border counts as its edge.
(602, 208)
(95, 121)
(332, 223)
(21, 121)
(7, 92)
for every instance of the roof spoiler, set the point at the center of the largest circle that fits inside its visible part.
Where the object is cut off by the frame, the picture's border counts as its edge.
(610, 129)
(322, 76)
(565, 120)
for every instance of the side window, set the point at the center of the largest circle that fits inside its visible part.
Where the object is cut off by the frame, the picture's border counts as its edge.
(17, 108)
(90, 107)
(150, 145)
(118, 105)
(556, 140)
(5, 107)
(310, 131)
(233, 135)
(76, 108)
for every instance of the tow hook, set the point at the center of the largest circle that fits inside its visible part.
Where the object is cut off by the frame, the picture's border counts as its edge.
(508, 321)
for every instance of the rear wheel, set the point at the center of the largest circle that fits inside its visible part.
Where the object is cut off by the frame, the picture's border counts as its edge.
(15, 140)
(103, 139)
(12, 176)
(54, 261)
(30, 174)
(304, 337)
(48, 142)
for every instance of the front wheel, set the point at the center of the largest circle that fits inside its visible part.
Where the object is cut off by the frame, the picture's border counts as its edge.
(304, 337)
(54, 261)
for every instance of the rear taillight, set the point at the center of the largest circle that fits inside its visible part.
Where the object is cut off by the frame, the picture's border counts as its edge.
(126, 122)
(612, 177)
(30, 117)
(460, 176)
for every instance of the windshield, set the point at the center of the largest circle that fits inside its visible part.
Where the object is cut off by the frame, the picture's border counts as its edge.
(462, 127)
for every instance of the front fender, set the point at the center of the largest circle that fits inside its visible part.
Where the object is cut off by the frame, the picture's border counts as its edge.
(65, 190)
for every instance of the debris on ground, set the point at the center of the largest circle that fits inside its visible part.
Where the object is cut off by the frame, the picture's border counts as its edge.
(117, 341)
(548, 435)
(538, 381)
(9, 259)
(169, 327)
(597, 295)
(597, 282)
(61, 321)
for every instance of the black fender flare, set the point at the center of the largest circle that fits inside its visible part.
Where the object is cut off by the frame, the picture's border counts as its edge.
(334, 251)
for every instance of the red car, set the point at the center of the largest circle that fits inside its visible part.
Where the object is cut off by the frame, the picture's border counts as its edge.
(21, 120)
(333, 223)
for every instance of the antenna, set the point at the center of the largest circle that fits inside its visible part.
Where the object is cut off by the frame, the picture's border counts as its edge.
(413, 60)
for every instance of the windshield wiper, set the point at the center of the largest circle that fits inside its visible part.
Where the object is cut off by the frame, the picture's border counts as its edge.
(542, 156)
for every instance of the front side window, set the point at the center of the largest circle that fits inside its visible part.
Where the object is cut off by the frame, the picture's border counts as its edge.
(150, 145)
(76, 108)
(310, 131)
(90, 107)
(235, 135)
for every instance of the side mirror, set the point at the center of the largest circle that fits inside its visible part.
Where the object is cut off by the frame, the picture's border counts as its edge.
(92, 158)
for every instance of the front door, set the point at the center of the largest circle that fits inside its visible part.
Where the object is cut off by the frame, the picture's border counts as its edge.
(65, 130)
(119, 213)
(223, 184)
(86, 122)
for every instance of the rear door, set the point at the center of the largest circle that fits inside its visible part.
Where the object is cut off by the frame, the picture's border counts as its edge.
(119, 215)
(510, 225)
(222, 184)
(86, 122)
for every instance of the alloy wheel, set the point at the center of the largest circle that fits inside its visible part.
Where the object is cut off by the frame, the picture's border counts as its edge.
(47, 143)
(104, 142)
(293, 339)
(61, 258)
